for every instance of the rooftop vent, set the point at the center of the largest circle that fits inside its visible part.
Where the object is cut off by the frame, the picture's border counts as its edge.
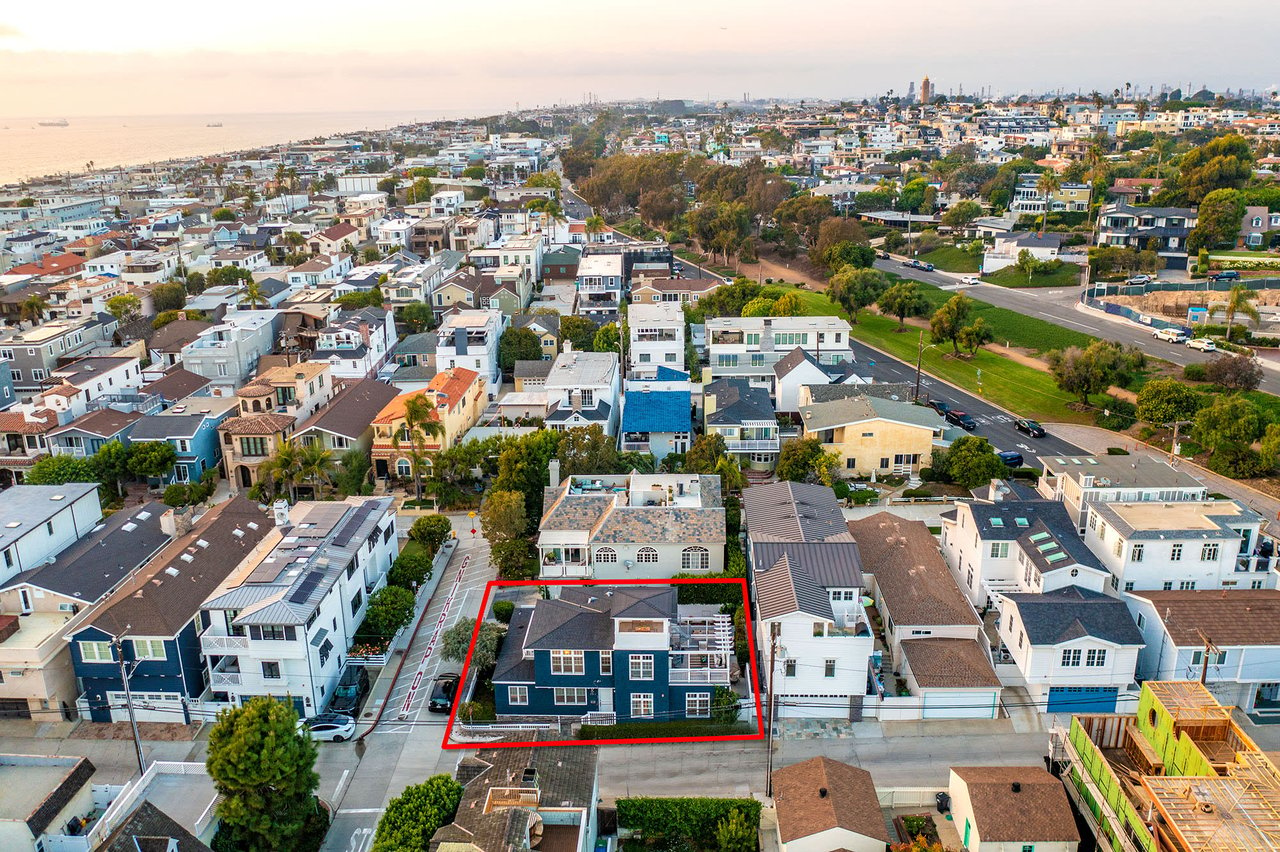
(171, 571)
(187, 557)
(1015, 787)
(822, 792)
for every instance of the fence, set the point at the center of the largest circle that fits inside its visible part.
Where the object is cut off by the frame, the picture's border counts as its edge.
(1205, 286)
(1131, 314)
(123, 805)
(908, 797)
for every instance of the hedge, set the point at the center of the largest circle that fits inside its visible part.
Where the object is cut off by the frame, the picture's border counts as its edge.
(707, 593)
(693, 818)
(674, 728)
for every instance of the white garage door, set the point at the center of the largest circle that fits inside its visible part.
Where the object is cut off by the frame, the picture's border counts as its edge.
(147, 707)
(960, 705)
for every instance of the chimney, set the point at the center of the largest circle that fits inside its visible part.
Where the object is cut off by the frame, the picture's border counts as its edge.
(176, 522)
(997, 492)
(553, 472)
(568, 346)
(280, 509)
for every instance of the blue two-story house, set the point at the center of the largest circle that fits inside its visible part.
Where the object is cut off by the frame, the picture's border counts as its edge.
(613, 653)
(85, 435)
(191, 426)
(154, 620)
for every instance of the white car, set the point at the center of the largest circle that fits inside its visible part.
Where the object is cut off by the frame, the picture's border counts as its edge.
(330, 727)
(970, 279)
(1204, 344)
(1169, 335)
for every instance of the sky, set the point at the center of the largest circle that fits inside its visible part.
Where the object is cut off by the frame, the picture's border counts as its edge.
(86, 57)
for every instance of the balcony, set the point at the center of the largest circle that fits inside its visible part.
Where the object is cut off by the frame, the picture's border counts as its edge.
(225, 674)
(718, 675)
(212, 644)
(635, 446)
(758, 445)
(552, 570)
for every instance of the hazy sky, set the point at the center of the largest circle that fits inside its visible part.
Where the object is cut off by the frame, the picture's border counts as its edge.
(82, 57)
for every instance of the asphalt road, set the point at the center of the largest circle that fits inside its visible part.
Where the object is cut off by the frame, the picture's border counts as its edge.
(994, 423)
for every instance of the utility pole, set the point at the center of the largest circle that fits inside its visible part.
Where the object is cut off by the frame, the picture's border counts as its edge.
(117, 642)
(1209, 647)
(1173, 447)
(768, 751)
(919, 358)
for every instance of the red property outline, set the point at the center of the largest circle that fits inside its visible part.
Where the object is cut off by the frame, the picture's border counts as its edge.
(484, 607)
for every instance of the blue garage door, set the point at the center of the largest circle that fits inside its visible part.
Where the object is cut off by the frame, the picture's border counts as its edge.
(1082, 699)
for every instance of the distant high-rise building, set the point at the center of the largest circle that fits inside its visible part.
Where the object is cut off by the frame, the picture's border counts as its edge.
(911, 92)
(926, 91)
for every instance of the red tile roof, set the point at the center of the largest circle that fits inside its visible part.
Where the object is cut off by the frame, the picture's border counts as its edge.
(59, 264)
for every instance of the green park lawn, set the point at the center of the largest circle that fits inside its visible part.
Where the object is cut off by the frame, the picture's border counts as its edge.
(952, 259)
(1067, 275)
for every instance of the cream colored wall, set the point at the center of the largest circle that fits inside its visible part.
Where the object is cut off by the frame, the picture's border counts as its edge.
(834, 838)
(888, 439)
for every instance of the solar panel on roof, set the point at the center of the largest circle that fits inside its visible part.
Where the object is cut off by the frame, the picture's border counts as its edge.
(306, 587)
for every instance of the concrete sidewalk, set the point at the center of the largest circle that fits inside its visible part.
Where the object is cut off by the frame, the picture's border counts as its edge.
(1097, 440)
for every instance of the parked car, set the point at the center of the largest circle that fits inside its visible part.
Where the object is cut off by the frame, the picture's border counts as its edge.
(442, 692)
(1140, 279)
(1204, 344)
(1011, 458)
(939, 406)
(350, 691)
(883, 255)
(927, 267)
(959, 418)
(1170, 335)
(329, 727)
(1029, 427)
(1225, 275)
(971, 280)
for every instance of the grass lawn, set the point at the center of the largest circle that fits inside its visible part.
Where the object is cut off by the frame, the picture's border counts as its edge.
(1251, 255)
(952, 259)
(1268, 404)
(1066, 275)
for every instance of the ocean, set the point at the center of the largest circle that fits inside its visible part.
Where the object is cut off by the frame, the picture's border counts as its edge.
(28, 150)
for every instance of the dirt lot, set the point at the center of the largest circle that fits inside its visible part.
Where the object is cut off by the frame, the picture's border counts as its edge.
(1175, 304)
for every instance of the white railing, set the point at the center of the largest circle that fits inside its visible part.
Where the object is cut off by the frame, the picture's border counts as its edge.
(118, 810)
(717, 675)
(218, 644)
(566, 569)
(758, 445)
(220, 679)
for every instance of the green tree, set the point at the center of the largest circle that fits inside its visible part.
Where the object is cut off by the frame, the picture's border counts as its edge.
(26, 202)
(788, 305)
(226, 276)
(761, 306)
(223, 214)
(416, 316)
(518, 344)
(170, 296)
(352, 478)
(803, 460)
(196, 283)
(903, 300)
(579, 331)
(962, 215)
(1047, 185)
(1218, 222)
(1240, 372)
(421, 424)
(1222, 163)
(594, 225)
(315, 466)
(1164, 401)
(59, 470)
(411, 569)
(1239, 301)
(522, 467)
(1230, 420)
(389, 609)
(431, 532)
(705, 454)
(254, 296)
(726, 706)
(456, 641)
(111, 461)
(854, 289)
(474, 172)
(152, 459)
(416, 814)
(263, 769)
(949, 319)
(975, 335)
(126, 307)
(543, 180)
(33, 308)
(607, 338)
(503, 517)
(1084, 372)
(588, 450)
(735, 834)
(969, 462)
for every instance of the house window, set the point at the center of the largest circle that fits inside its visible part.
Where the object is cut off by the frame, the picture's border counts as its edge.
(573, 695)
(568, 663)
(829, 668)
(642, 705)
(1218, 659)
(606, 555)
(695, 559)
(819, 628)
(1186, 585)
(1118, 547)
(270, 670)
(642, 666)
(356, 600)
(403, 468)
(1135, 555)
(999, 549)
(253, 446)
(1175, 553)
(1093, 521)
(95, 652)
(149, 649)
(1096, 657)
(1128, 587)
(697, 705)
(1071, 657)
(789, 668)
(1209, 552)
(269, 632)
(850, 464)
(518, 695)
(1167, 585)
(606, 663)
(647, 555)
(588, 398)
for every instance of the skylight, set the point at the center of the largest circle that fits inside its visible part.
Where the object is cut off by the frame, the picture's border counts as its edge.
(1056, 557)
(1040, 536)
(1047, 546)
(997, 522)
(1022, 522)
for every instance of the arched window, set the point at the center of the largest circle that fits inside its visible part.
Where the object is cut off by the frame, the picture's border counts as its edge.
(606, 555)
(403, 468)
(694, 559)
(646, 555)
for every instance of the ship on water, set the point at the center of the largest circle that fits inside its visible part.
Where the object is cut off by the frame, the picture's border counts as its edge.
(62, 122)
(214, 124)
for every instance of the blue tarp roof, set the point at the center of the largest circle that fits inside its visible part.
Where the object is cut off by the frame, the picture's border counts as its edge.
(657, 411)
(666, 374)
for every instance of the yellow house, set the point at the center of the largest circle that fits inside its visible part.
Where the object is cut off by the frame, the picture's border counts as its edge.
(873, 435)
(459, 401)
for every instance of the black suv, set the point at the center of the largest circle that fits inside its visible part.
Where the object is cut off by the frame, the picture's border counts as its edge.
(939, 406)
(350, 692)
(1029, 427)
(964, 421)
(442, 692)
(1226, 275)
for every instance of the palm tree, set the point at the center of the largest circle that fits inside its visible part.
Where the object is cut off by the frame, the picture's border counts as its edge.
(1047, 185)
(420, 423)
(253, 295)
(250, 199)
(219, 169)
(1143, 107)
(315, 465)
(283, 469)
(33, 308)
(594, 225)
(1239, 300)
(280, 172)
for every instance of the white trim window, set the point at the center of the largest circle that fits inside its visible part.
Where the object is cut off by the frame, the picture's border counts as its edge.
(575, 696)
(149, 649)
(647, 555)
(96, 652)
(568, 663)
(517, 696)
(606, 662)
(695, 559)
(697, 705)
(1096, 657)
(606, 556)
(642, 705)
(1070, 657)
(641, 666)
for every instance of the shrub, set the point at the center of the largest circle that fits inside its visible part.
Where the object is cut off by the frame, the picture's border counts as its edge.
(412, 817)
(389, 609)
(1194, 372)
(917, 492)
(1117, 415)
(707, 593)
(1024, 473)
(841, 488)
(503, 610)
(862, 498)
(411, 569)
(690, 818)
(177, 494)
(1237, 462)
(927, 474)
(431, 532)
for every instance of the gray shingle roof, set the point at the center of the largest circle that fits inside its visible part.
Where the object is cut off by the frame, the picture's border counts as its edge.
(561, 624)
(912, 578)
(737, 400)
(1071, 613)
(784, 588)
(884, 390)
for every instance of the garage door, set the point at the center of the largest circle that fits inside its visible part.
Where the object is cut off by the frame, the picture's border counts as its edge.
(14, 708)
(147, 707)
(1082, 699)
(960, 705)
